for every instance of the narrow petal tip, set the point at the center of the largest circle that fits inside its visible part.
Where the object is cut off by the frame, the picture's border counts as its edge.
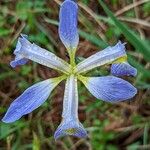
(123, 69)
(22, 44)
(120, 46)
(18, 62)
(7, 119)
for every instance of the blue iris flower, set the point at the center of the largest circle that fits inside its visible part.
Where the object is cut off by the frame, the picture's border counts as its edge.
(108, 88)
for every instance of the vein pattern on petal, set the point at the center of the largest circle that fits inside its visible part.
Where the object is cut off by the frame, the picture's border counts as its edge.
(68, 30)
(70, 124)
(31, 98)
(26, 50)
(109, 88)
(103, 57)
(123, 69)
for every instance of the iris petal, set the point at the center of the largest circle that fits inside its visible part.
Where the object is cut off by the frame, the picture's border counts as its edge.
(68, 31)
(19, 60)
(109, 88)
(108, 55)
(123, 69)
(31, 99)
(70, 124)
(26, 50)
(72, 127)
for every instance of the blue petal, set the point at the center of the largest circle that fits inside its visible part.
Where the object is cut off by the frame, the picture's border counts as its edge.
(19, 60)
(70, 124)
(110, 89)
(106, 56)
(72, 127)
(31, 99)
(123, 69)
(26, 50)
(68, 31)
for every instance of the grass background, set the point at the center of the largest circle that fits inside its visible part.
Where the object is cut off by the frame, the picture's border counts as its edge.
(110, 127)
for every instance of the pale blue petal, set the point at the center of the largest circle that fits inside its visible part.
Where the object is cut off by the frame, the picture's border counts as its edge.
(110, 89)
(123, 69)
(19, 60)
(70, 124)
(31, 99)
(68, 17)
(106, 56)
(26, 50)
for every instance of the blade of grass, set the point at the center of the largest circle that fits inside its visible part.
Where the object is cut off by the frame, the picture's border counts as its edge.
(140, 45)
(145, 135)
(93, 39)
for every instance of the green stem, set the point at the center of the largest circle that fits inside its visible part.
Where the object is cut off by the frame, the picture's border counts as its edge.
(82, 78)
(57, 80)
(72, 57)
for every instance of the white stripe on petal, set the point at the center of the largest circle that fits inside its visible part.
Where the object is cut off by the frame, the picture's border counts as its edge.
(70, 124)
(27, 50)
(103, 57)
(70, 102)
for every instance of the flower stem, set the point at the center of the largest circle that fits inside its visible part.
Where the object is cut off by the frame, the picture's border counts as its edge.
(72, 57)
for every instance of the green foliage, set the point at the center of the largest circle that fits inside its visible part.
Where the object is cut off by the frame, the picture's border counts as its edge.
(140, 45)
(10, 129)
(25, 70)
(99, 137)
(4, 32)
(23, 8)
(36, 142)
(85, 1)
(95, 40)
(146, 9)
